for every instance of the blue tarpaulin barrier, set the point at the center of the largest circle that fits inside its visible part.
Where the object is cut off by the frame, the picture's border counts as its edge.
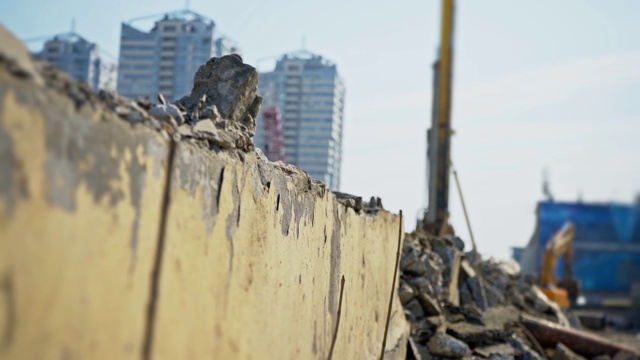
(606, 244)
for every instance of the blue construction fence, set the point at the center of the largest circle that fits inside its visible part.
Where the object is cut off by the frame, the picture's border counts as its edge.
(606, 244)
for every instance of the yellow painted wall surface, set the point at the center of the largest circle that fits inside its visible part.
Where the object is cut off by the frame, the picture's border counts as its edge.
(256, 273)
(79, 219)
(249, 255)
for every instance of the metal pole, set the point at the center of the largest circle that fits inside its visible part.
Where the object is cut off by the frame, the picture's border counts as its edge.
(466, 217)
(393, 288)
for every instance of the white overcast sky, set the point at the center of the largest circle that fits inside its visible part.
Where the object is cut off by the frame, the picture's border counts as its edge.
(537, 84)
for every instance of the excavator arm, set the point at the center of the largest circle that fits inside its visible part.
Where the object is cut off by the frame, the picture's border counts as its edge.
(560, 245)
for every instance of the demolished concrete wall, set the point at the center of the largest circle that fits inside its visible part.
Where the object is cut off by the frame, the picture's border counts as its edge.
(122, 237)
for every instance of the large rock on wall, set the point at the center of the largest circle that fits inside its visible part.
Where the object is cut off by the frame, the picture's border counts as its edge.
(120, 240)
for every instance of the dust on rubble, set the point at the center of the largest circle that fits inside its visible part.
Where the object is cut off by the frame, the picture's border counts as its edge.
(459, 305)
(219, 113)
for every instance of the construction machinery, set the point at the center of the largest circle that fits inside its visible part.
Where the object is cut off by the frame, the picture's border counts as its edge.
(565, 291)
(436, 218)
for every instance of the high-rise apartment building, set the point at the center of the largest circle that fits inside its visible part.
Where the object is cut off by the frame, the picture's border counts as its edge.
(164, 59)
(309, 93)
(80, 58)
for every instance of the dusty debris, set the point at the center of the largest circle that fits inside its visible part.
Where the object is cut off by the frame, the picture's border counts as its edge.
(167, 112)
(406, 293)
(478, 335)
(562, 352)
(496, 351)
(441, 344)
(448, 292)
(523, 350)
(220, 112)
(452, 298)
(356, 203)
(229, 85)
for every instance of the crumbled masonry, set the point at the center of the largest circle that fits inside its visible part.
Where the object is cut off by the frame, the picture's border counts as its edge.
(219, 113)
(460, 305)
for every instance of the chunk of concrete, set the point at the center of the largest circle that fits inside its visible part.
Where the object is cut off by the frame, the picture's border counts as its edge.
(417, 351)
(415, 308)
(405, 292)
(435, 268)
(429, 304)
(524, 352)
(451, 257)
(476, 288)
(466, 270)
(205, 125)
(465, 294)
(229, 84)
(501, 357)
(498, 350)
(444, 345)
(495, 297)
(417, 268)
(454, 295)
(562, 352)
(167, 113)
(422, 285)
(409, 257)
(476, 334)
(473, 314)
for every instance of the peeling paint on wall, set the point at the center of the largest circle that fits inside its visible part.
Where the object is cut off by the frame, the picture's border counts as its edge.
(110, 232)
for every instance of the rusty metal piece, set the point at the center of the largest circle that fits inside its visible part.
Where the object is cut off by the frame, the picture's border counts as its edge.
(586, 344)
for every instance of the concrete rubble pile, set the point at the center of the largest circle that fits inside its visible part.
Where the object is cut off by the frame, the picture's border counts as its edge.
(219, 113)
(221, 109)
(461, 307)
(358, 205)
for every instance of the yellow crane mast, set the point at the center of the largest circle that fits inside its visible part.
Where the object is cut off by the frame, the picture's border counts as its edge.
(436, 219)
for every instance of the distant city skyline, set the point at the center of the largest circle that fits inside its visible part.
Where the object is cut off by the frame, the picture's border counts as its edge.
(533, 89)
(80, 58)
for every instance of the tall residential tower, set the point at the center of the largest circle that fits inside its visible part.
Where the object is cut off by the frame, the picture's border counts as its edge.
(80, 58)
(164, 59)
(309, 93)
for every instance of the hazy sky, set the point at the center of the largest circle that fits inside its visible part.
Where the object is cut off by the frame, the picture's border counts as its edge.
(537, 84)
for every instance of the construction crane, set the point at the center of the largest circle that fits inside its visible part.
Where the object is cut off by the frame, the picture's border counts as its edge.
(561, 244)
(436, 218)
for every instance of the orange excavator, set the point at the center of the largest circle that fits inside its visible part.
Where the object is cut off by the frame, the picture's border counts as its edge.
(563, 292)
